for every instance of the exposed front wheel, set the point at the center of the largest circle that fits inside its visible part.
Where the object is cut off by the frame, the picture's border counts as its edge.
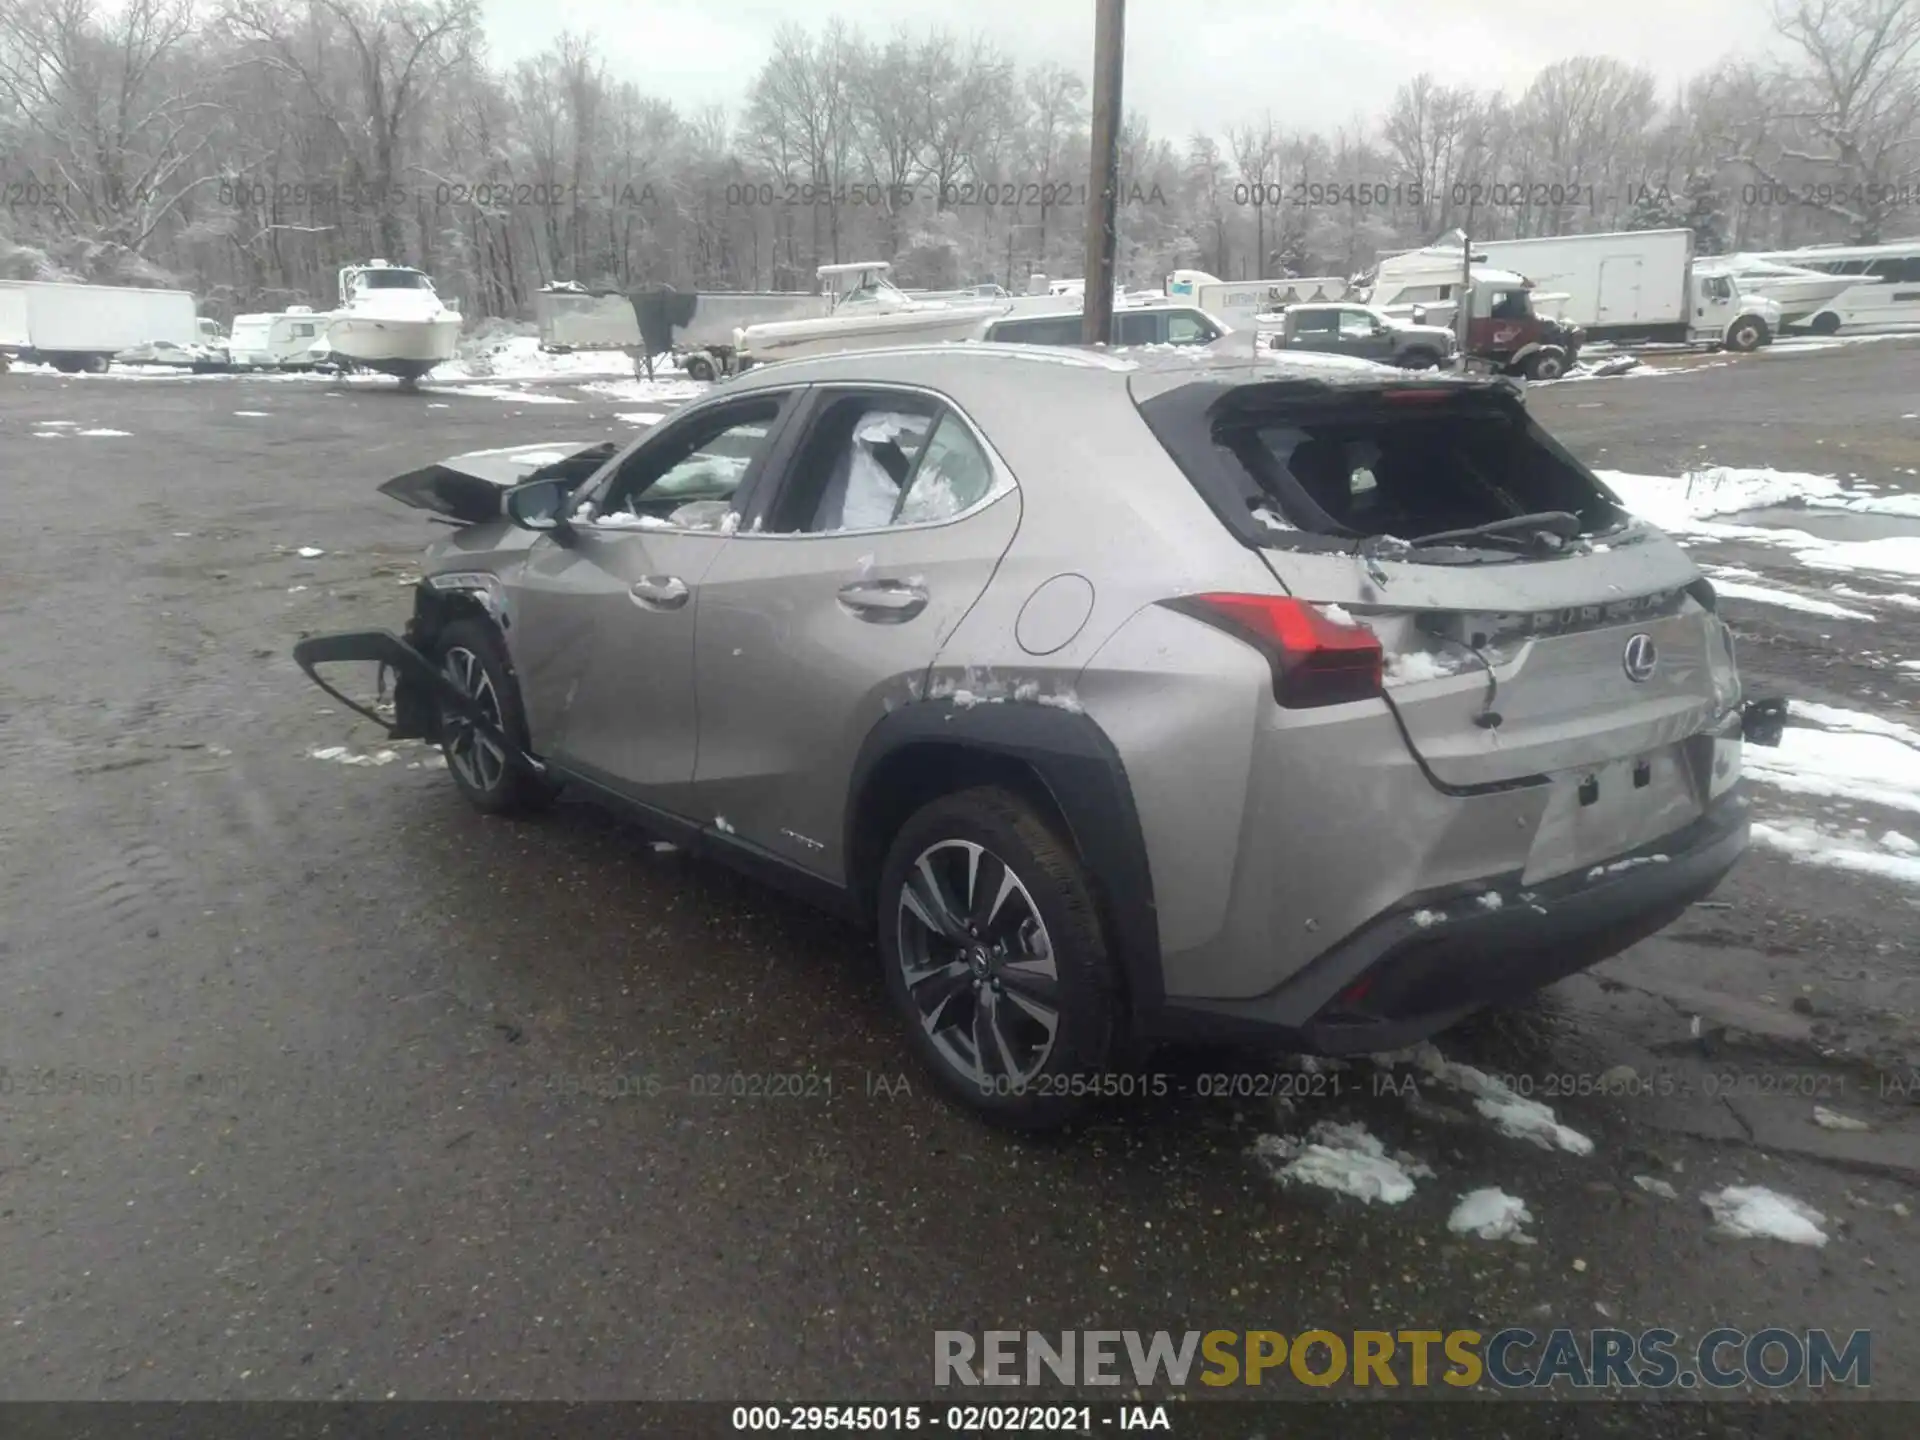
(700, 367)
(1825, 323)
(472, 657)
(995, 958)
(1747, 333)
(1546, 364)
(1420, 360)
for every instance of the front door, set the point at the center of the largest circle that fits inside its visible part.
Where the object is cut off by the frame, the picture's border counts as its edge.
(1361, 335)
(860, 561)
(605, 630)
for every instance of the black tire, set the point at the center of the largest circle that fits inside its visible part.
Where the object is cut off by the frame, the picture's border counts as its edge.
(1825, 323)
(489, 784)
(699, 367)
(1051, 1080)
(1746, 334)
(67, 364)
(1419, 360)
(1547, 363)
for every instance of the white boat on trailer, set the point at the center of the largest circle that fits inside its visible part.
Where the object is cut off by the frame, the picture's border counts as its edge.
(866, 311)
(391, 320)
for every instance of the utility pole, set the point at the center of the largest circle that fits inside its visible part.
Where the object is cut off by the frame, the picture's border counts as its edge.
(1463, 311)
(1109, 61)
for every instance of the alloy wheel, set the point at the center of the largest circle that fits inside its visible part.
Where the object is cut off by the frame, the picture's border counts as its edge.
(978, 964)
(479, 761)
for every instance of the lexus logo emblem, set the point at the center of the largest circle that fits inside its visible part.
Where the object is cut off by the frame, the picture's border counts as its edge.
(1641, 658)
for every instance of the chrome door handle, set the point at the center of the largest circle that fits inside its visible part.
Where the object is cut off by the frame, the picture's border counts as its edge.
(885, 602)
(659, 592)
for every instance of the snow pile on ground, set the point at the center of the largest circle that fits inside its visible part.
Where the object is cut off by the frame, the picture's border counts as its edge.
(1491, 1214)
(1342, 1157)
(1512, 1114)
(116, 434)
(1732, 582)
(1819, 846)
(515, 354)
(641, 417)
(670, 391)
(1606, 368)
(1678, 504)
(1893, 555)
(503, 392)
(1753, 1212)
(1685, 505)
(1845, 754)
(341, 755)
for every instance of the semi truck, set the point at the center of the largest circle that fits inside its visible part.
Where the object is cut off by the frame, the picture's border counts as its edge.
(77, 328)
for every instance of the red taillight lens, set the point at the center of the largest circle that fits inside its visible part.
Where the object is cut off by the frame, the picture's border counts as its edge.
(1316, 660)
(1410, 396)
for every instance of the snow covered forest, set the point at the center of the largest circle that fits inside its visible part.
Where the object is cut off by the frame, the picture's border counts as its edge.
(247, 148)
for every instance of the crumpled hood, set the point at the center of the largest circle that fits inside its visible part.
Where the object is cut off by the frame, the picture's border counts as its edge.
(471, 488)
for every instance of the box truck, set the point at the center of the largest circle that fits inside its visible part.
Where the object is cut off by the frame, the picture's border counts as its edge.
(82, 327)
(1626, 286)
(1633, 286)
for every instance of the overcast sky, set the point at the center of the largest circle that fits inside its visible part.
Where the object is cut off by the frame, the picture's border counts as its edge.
(1191, 64)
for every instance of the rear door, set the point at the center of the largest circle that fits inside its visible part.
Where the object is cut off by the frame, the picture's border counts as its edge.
(832, 601)
(1316, 329)
(604, 618)
(1140, 327)
(1619, 301)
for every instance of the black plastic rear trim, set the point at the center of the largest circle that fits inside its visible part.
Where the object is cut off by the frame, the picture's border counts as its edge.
(1087, 781)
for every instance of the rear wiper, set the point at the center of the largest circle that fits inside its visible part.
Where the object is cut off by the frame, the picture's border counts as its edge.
(1561, 524)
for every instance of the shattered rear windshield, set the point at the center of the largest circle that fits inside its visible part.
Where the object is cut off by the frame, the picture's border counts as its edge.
(1369, 467)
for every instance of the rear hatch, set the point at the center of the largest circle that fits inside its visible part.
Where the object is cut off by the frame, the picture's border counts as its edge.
(1569, 641)
(471, 488)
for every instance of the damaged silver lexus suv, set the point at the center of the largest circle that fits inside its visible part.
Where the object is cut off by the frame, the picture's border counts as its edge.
(1308, 703)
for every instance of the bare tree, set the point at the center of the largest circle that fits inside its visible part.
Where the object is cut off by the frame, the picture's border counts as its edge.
(118, 111)
(969, 97)
(1582, 122)
(397, 51)
(1855, 105)
(1255, 153)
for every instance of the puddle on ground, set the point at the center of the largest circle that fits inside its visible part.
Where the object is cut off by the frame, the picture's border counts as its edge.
(1837, 525)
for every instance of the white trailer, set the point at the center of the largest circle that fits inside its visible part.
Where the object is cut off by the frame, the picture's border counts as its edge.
(82, 327)
(697, 326)
(1238, 301)
(571, 317)
(277, 341)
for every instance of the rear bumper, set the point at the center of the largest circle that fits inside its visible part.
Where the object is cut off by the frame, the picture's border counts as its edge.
(1440, 956)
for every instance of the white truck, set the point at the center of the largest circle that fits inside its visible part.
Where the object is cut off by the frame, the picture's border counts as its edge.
(82, 327)
(1624, 286)
(1238, 301)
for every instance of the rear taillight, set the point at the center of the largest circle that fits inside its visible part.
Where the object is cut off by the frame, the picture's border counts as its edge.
(1316, 660)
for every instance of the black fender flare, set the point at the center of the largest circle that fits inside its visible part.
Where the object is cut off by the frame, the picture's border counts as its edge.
(1084, 777)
